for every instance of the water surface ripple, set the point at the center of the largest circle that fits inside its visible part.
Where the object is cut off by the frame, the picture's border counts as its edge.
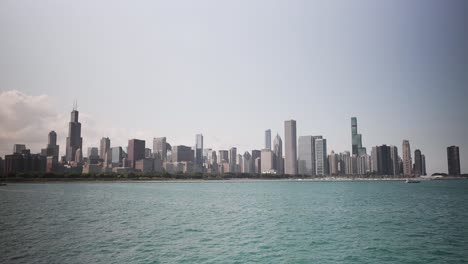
(235, 222)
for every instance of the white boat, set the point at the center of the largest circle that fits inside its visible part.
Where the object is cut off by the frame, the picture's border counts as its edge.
(412, 181)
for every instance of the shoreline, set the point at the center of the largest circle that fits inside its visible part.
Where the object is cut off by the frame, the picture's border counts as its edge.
(194, 180)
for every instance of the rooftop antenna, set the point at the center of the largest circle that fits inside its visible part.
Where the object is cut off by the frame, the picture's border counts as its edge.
(75, 105)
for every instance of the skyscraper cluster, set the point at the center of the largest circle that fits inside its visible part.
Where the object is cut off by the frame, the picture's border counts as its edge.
(304, 155)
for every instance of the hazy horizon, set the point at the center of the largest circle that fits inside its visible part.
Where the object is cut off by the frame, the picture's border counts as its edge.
(231, 70)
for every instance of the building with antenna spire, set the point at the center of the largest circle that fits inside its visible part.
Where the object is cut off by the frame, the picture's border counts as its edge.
(74, 139)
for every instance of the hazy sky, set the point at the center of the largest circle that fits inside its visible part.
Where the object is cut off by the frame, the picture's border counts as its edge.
(231, 69)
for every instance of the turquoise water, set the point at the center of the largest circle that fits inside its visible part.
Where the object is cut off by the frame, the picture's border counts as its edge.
(235, 222)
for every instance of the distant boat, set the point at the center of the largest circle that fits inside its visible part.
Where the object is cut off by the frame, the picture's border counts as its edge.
(412, 181)
(2, 184)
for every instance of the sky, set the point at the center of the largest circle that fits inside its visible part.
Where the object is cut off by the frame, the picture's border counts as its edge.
(232, 69)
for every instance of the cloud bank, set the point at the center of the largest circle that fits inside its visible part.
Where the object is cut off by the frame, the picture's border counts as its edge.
(27, 119)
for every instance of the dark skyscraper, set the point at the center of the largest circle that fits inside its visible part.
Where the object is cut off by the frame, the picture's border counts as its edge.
(453, 158)
(74, 139)
(384, 160)
(418, 166)
(104, 147)
(199, 150)
(356, 139)
(52, 149)
(136, 151)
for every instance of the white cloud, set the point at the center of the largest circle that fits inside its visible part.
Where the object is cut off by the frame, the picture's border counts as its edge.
(27, 119)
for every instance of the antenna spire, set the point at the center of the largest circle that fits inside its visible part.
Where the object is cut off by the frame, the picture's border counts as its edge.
(75, 105)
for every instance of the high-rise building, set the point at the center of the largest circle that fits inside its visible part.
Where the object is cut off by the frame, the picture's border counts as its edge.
(232, 159)
(384, 162)
(104, 147)
(374, 161)
(239, 163)
(407, 161)
(117, 156)
(361, 162)
(306, 162)
(417, 163)
(52, 139)
(453, 159)
(356, 139)
(256, 154)
(278, 151)
(148, 153)
(423, 159)
(268, 139)
(267, 157)
(247, 163)
(52, 149)
(199, 151)
(332, 161)
(74, 139)
(321, 166)
(223, 156)
(182, 154)
(160, 148)
(290, 148)
(93, 153)
(136, 151)
(78, 156)
(18, 148)
(394, 160)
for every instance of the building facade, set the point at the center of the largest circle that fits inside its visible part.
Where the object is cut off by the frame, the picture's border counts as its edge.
(136, 151)
(407, 161)
(453, 160)
(74, 139)
(321, 166)
(290, 148)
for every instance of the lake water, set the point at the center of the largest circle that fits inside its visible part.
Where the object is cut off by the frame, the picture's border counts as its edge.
(235, 222)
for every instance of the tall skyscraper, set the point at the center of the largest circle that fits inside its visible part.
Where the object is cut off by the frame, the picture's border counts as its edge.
(423, 158)
(199, 150)
(268, 139)
(52, 149)
(278, 151)
(74, 139)
(223, 156)
(232, 159)
(160, 147)
(104, 147)
(332, 162)
(256, 154)
(453, 159)
(117, 156)
(321, 164)
(374, 161)
(136, 151)
(384, 162)
(306, 162)
(52, 139)
(290, 147)
(267, 158)
(395, 160)
(247, 163)
(356, 139)
(417, 163)
(407, 161)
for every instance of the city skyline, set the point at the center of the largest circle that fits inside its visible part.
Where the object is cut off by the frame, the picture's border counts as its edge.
(199, 142)
(146, 70)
